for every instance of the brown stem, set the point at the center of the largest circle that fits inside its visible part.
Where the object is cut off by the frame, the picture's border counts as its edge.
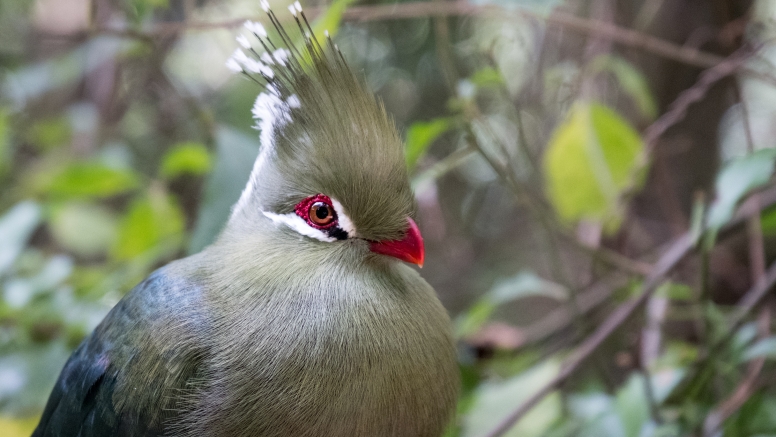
(678, 250)
(623, 36)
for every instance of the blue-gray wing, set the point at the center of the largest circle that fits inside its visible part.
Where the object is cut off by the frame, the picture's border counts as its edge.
(124, 378)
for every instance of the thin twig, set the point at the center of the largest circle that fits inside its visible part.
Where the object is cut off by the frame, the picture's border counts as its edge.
(523, 196)
(745, 306)
(649, 391)
(678, 250)
(610, 257)
(561, 317)
(744, 390)
(623, 36)
(754, 226)
(697, 92)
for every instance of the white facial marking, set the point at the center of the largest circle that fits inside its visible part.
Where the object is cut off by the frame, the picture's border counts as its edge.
(343, 220)
(293, 221)
(271, 112)
(296, 223)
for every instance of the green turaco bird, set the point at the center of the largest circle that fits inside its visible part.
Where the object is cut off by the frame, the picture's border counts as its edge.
(302, 319)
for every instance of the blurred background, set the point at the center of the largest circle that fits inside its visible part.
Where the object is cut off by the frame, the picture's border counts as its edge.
(594, 180)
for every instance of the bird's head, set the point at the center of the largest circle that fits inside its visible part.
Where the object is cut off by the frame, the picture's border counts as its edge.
(331, 164)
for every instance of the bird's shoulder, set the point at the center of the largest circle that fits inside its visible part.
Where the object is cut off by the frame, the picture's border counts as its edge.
(131, 374)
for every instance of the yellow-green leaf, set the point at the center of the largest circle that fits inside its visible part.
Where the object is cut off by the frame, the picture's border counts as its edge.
(152, 220)
(487, 76)
(5, 152)
(330, 20)
(768, 222)
(495, 400)
(593, 157)
(186, 158)
(18, 427)
(50, 133)
(421, 135)
(84, 228)
(92, 179)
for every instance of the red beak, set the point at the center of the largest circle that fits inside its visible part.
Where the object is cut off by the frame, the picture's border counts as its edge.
(409, 249)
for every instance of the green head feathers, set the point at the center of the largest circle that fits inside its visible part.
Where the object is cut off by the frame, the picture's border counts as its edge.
(322, 132)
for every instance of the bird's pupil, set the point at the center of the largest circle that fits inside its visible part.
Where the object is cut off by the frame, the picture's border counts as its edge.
(322, 211)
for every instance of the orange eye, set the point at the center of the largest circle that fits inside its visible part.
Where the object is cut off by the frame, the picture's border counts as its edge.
(321, 213)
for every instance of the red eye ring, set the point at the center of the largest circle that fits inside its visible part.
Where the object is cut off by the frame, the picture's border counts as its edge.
(318, 211)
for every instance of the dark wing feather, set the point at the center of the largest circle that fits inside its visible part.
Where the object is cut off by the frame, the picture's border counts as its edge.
(83, 402)
(77, 405)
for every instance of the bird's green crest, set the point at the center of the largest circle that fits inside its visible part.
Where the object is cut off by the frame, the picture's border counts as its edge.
(322, 131)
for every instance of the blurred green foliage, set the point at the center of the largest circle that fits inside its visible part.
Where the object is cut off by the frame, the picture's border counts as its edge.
(591, 161)
(124, 142)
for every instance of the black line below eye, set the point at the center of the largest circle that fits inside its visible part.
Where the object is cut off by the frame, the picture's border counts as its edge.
(336, 232)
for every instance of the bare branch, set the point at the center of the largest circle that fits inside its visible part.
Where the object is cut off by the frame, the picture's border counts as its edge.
(697, 92)
(623, 36)
(744, 390)
(676, 252)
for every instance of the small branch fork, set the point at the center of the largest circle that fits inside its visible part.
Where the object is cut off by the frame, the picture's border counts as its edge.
(695, 93)
(677, 251)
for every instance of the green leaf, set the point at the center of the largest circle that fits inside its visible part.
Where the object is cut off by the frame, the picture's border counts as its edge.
(92, 179)
(143, 8)
(475, 318)
(763, 348)
(51, 133)
(235, 155)
(186, 158)
(331, 19)
(594, 157)
(674, 291)
(20, 291)
(631, 81)
(599, 418)
(16, 227)
(736, 179)
(5, 143)
(632, 406)
(421, 135)
(425, 179)
(493, 401)
(153, 222)
(522, 285)
(525, 284)
(83, 228)
(18, 426)
(768, 222)
(486, 77)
